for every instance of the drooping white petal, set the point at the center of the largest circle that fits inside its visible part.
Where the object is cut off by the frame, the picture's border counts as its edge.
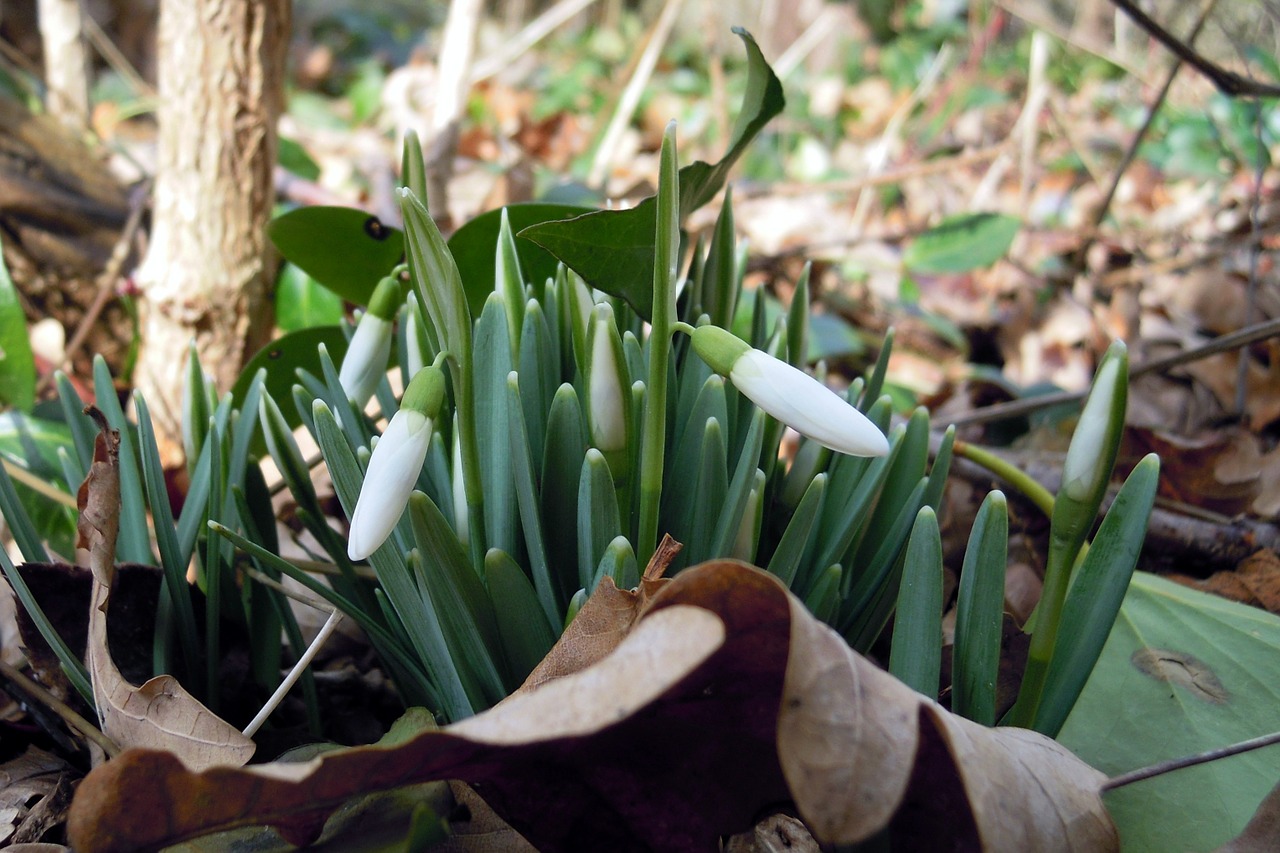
(805, 404)
(366, 359)
(393, 469)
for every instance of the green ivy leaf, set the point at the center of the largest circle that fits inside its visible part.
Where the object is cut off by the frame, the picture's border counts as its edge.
(962, 243)
(17, 365)
(281, 358)
(613, 250)
(344, 249)
(472, 247)
(301, 302)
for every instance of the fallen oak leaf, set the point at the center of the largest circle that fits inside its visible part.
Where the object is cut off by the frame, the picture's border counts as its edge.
(861, 750)
(160, 713)
(670, 742)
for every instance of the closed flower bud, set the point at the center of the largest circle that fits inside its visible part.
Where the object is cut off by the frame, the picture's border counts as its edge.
(366, 360)
(394, 466)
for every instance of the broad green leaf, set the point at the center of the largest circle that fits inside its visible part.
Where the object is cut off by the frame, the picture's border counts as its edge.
(344, 249)
(1182, 672)
(614, 249)
(17, 364)
(294, 158)
(472, 248)
(282, 358)
(961, 243)
(301, 302)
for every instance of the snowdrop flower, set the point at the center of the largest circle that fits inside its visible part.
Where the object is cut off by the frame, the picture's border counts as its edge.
(370, 349)
(608, 395)
(1093, 447)
(393, 468)
(789, 394)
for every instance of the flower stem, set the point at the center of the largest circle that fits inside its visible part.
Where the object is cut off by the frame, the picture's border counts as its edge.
(653, 447)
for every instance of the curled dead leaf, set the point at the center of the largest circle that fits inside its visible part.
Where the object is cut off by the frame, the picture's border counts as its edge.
(724, 699)
(160, 713)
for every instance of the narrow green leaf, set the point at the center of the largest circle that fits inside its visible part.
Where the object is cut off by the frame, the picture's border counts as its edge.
(875, 382)
(492, 365)
(1096, 594)
(708, 495)
(909, 460)
(456, 593)
(509, 280)
(15, 515)
(619, 563)
(71, 664)
(798, 321)
(526, 634)
(526, 492)
(171, 557)
(598, 520)
(823, 600)
(785, 562)
(720, 276)
(82, 431)
(134, 542)
(561, 467)
(975, 659)
(939, 470)
(915, 658)
(739, 491)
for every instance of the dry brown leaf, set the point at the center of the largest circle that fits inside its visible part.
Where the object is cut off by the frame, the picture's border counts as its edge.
(160, 713)
(676, 738)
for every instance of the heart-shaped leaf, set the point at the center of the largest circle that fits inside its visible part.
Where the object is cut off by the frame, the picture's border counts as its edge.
(613, 250)
(472, 247)
(345, 249)
(1182, 672)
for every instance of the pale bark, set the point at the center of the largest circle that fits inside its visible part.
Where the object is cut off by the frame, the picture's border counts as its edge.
(66, 63)
(207, 272)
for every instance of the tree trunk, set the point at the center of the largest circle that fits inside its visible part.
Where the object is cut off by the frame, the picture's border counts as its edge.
(207, 272)
(66, 63)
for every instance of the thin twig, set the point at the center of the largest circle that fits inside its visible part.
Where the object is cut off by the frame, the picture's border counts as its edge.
(1255, 252)
(1227, 82)
(1034, 15)
(1189, 761)
(922, 169)
(1138, 137)
(62, 709)
(107, 280)
(294, 674)
(878, 154)
(1014, 408)
(113, 56)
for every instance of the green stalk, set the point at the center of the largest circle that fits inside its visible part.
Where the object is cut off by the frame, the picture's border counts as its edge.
(653, 447)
